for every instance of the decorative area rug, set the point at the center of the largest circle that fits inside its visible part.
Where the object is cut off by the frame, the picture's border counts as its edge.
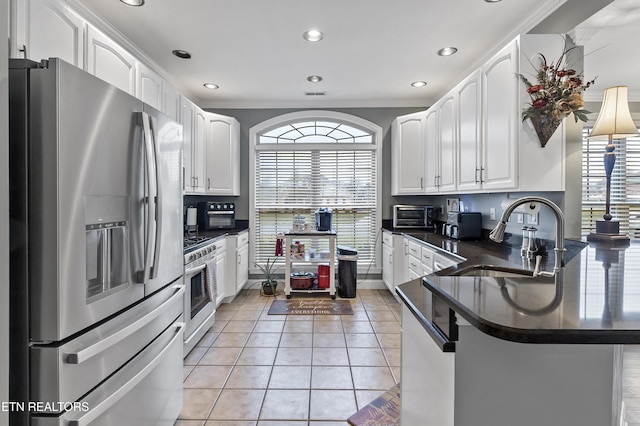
(310, 307)
(382, 411)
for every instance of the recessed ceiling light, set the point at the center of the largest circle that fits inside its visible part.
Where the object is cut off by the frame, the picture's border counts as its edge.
(211, 86)
(314, 78)
(492, 1)
(419, 83)
(183, 54)
(447, 51)
(313, 35)
(133, 2)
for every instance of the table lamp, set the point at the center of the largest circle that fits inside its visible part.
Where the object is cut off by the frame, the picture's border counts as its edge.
(615, 122)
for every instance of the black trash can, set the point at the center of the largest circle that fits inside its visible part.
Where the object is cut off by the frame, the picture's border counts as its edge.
(347, 271)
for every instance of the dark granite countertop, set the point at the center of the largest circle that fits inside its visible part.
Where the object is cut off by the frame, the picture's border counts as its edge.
(577, 306)
(222, 232)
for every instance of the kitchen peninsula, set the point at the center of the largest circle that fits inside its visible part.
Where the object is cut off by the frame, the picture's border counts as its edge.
(520, 349)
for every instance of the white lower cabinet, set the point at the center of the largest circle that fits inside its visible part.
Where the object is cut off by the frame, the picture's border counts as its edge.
(242, 260)
(237, 265)
(422, 259)
(393, 258)
(221, 270)
(490, 381)
(427, 377)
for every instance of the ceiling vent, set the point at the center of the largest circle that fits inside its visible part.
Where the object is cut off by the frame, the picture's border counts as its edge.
(315, 93)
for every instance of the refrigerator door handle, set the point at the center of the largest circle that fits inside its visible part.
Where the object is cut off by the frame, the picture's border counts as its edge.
(110, 401)
(89, 352)
(150, 197)
(158, 200)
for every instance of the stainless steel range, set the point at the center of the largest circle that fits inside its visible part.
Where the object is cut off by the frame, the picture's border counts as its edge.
(200, 288)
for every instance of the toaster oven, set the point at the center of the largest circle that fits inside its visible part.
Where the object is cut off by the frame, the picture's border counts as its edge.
(405, 216)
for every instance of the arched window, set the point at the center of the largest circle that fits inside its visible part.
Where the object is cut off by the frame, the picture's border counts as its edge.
(307, 160)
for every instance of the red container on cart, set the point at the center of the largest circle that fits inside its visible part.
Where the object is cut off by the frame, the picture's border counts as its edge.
(323, 276)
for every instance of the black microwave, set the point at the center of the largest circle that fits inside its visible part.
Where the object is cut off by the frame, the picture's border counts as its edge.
(405, 216)
(213, 215)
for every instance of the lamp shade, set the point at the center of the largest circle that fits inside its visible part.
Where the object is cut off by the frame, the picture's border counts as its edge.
(615, 118)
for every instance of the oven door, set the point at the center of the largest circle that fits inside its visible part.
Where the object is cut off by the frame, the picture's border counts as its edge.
(199, 305)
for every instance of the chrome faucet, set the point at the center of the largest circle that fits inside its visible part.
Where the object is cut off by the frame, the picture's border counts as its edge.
(497, 234)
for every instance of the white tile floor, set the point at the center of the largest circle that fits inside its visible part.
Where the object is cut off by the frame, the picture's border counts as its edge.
(266, 370)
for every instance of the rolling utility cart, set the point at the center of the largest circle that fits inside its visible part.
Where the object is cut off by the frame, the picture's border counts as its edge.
(309, 255)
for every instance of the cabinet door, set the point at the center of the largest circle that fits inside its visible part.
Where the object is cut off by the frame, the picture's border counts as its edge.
(198, 151)
(469, 142)
(407, 151)
(447, 149)
(221, 275)
(171, 101)
(110, 62)
(148, 86)
(187, 110)
(242, 266)
(432, 144)
(47, 30)
(500, 119)
(387, 267)
(222, 167)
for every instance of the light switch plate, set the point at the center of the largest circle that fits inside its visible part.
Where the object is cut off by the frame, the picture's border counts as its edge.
(532, 219)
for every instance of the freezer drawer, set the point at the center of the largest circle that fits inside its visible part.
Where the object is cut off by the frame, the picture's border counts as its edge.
(146, 392)
(69, 371)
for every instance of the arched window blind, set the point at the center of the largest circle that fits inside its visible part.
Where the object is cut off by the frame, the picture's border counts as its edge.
(625, 184)
(302, 166)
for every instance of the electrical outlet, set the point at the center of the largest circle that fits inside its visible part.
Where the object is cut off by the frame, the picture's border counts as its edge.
(492, 213)
(532, 219)
(520, 217)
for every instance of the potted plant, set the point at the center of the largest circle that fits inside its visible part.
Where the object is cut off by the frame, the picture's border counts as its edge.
(270, 284)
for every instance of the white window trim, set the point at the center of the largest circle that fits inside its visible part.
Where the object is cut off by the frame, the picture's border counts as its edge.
(281, 120)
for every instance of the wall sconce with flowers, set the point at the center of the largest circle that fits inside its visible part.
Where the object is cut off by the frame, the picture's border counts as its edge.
(557, 94)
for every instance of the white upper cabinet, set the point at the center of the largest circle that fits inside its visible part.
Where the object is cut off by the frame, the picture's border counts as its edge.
(500, 116)
(46, 30)
(440, 148)
(432, 141)
(110, 62)
(187, 117)
(469, 169)
(149, 86)
(474, 138)
(447, 145)
(171, 101)
(223, 155)
(407, 154)
(198, 152)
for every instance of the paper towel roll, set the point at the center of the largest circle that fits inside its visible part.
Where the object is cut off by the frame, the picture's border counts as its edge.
(528, 208)
(192, 216)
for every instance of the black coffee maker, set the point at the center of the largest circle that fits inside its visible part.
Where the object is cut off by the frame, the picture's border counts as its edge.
(323, 219)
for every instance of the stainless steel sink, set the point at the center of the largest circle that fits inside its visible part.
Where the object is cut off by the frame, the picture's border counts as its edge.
(491, 271)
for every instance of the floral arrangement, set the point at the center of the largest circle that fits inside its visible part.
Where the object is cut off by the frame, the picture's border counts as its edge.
(558, 91)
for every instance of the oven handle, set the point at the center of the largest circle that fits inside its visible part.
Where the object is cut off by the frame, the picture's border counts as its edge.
(193, 271)
(112, 399)
(91, 351)
(226, 212)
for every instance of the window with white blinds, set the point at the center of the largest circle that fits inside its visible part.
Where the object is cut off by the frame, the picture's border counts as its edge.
(625, 184)
(304, 166)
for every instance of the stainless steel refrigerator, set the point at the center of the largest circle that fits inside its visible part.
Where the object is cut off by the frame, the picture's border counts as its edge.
(96, 286)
